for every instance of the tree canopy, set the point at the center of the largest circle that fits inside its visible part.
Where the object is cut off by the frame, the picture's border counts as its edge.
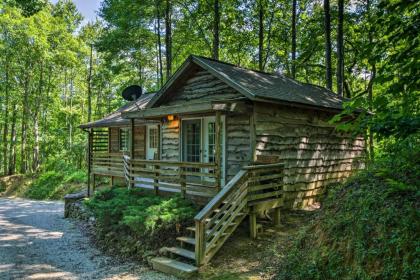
(57, 72)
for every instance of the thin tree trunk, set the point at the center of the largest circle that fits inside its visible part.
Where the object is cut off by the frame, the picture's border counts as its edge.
(168, 38)
(261, 36)
(216, 31)
(36, 149)
(25, 110)
(294, 7)
(12, 143)
(340, 49)
(6, 117)
(327, 27)
(89, 85)
(370, 86)
(159, 42)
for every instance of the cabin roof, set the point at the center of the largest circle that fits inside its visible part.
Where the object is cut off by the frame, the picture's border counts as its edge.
(258, 86)
(115, 118)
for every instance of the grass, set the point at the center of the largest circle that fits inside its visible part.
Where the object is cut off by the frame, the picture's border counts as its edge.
(55, 179)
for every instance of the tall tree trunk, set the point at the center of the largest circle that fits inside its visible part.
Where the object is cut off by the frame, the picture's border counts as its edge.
(6, 116)
(327, 30)
(216, 30)
(12, 142)
(340, 49)
(370, 85)
(159, 43)
(261, 36)
(294, 11)
(36, 149)
(168, 38)
(23, 133)
(89, 84)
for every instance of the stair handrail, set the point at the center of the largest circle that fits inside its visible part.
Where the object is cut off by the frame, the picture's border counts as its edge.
(200, 234)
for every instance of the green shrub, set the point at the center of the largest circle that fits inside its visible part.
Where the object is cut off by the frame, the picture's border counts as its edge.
(133, 222)
(55, 184)
(368, 228)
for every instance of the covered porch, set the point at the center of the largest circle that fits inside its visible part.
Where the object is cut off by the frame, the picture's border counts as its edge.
(177, 149)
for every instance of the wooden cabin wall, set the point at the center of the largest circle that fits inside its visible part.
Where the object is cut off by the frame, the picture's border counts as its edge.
(202, 86)
(314, 152)
(139, 142)
(114, 140)
(170, 140)
(238, 145)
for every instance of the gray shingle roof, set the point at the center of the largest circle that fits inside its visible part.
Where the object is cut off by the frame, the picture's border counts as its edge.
(255, 84)
(115, 118)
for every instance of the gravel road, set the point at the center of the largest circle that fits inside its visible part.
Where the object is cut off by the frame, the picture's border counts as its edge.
(36, 242)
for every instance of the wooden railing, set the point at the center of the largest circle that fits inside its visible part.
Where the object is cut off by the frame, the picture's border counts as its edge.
(194, 178)
(221, 216)
(108, 164)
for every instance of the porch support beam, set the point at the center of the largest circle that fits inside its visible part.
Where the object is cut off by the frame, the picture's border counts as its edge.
(89, 160)
(131, 185)
(218, 145)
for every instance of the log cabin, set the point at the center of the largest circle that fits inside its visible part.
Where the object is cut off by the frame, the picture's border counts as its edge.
(236, 141)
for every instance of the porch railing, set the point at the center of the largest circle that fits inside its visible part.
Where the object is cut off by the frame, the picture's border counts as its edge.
(194, 178)
(223, 214)
(107, 164)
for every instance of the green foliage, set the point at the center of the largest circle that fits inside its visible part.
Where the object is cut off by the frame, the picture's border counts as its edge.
(134, 222)
(369, 227)
(56, 179)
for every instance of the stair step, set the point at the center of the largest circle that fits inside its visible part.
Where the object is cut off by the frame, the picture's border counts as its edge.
(186, 239)
(181, 252)
(174, 267)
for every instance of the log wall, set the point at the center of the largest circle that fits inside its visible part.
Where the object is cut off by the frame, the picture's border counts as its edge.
(202, 86)
(114, 140)
(139, 141)
(314, 152)
(238, 147)
(170, 140)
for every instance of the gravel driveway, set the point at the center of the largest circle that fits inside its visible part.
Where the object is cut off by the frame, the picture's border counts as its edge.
(36, 242)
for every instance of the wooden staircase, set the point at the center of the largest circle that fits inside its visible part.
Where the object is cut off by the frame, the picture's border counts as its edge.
(214, 224)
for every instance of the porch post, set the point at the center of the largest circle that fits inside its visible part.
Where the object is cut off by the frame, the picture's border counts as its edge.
(89, 160)
(218, 144)
(111, 181)
(132, 151)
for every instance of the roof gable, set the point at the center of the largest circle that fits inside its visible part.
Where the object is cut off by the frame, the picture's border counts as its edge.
(253, 85)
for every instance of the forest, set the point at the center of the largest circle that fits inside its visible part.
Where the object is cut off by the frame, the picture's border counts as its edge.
(58, 72)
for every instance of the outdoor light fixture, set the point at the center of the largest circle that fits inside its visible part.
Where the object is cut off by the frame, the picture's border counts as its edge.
(171, 117)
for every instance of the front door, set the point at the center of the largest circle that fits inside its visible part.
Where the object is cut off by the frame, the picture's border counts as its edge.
(152, 142)
(191, 142)
(198, 142)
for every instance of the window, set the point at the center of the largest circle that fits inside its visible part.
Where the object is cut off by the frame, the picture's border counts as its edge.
(124, 139)
(153, 137)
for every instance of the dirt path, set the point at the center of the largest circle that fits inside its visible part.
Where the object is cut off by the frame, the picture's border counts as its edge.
(37, 243)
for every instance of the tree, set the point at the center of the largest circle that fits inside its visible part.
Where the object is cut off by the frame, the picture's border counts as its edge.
(340, 49)
(294, 8)
(327, 28)
(168, 38)
(260, 35)
(216, 30)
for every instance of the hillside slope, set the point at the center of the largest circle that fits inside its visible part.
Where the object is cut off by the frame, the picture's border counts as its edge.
(368, 228)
